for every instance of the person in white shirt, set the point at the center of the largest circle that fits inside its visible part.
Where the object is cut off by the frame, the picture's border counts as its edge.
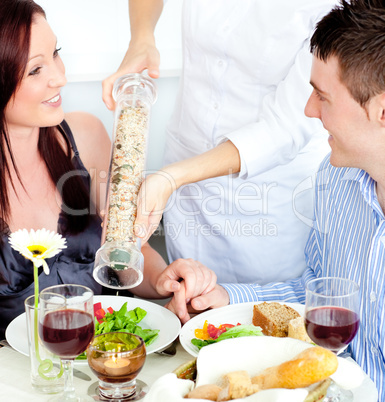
(347, 239)
(239, 129)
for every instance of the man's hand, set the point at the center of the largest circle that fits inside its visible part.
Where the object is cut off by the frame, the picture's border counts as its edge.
(187, 279)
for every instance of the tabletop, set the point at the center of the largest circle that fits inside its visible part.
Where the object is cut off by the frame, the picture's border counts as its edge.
(15, 368)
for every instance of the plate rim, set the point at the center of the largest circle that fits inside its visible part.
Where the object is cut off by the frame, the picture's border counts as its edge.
(141, 303)
(185, 340)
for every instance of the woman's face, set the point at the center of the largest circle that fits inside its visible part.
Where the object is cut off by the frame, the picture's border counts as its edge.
(37, 101)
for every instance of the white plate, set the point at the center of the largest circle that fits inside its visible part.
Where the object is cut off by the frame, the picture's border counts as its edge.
(233, 314)
(157, 317)
(254, 354)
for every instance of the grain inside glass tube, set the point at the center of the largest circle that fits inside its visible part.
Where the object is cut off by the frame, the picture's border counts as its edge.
(127, 166)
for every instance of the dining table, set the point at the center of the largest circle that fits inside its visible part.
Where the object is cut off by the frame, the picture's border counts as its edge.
(15, 384)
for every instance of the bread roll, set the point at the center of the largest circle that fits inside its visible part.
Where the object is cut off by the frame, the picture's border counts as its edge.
(297, 330)
(209, 392)
(310, 366)
(236, 385)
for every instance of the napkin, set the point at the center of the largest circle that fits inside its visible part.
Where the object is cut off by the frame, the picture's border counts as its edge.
(252, 354)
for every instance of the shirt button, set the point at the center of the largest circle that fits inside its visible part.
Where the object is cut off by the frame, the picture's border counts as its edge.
(373, 297)
(374, 350)
(220, 63)
(215, 105)
(208, 146)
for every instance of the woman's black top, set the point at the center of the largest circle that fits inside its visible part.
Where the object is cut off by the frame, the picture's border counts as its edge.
(72, 265)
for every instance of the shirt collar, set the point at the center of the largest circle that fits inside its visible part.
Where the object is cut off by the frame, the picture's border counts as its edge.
(354, 174)
(367, 187)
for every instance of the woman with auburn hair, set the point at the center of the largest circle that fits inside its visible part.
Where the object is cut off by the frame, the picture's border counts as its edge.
(41, 147)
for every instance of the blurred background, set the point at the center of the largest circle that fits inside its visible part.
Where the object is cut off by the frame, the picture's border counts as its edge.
(94, 36)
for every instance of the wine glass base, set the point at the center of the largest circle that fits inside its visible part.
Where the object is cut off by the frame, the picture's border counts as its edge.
(337, 394)
(140, 392)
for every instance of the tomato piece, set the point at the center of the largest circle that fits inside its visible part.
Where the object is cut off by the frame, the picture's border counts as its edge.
(213, 331)
(210, 331)
(226, 326)
(97, 306)
(99, 314)
(110, 310)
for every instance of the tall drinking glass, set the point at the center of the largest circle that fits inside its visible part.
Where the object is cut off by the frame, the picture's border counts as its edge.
(66, 328)
(332, 318)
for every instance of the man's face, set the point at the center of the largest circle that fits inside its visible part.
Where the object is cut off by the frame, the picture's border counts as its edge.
(354, 132)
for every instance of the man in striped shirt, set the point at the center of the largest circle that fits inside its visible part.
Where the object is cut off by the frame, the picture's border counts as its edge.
(348, 233)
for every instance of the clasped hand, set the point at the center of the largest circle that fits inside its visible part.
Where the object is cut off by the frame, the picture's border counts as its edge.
(193, 286)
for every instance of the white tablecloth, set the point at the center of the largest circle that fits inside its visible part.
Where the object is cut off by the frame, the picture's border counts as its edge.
(15, 385)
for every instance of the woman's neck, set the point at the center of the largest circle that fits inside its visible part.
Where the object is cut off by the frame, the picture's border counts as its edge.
(24, 147)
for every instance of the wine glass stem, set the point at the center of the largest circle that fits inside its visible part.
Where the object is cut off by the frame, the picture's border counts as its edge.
(69, 389)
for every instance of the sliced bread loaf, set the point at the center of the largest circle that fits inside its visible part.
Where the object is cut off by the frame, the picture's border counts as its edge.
(273, 318)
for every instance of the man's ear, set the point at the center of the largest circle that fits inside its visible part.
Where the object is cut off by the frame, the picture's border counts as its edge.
(382, 110)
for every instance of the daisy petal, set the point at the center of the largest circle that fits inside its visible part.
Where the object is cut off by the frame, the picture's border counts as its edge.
(45, 267)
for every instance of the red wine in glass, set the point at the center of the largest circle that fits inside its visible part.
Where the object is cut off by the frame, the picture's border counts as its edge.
(67, 333)
(66, 327)
(332, 327)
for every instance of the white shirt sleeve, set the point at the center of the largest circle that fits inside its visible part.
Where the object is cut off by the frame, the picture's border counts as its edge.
(282, 130)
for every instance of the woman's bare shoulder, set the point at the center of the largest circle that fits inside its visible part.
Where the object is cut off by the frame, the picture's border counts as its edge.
(85, 126)
(91, 137)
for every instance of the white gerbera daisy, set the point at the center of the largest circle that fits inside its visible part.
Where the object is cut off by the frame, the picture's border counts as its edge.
(37, 245)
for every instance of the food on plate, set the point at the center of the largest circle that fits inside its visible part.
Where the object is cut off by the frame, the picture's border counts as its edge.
(297, 330)
(187, 371)
(273, 318)
(209, 392)
(224, 331)
(210, 331)
(122, 320)
(310, 369)
(310, 366)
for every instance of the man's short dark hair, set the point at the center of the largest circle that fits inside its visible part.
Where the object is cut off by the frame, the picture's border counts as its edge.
(354, 32)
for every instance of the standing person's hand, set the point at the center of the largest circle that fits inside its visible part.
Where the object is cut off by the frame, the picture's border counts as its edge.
(152, 200)
(139, 57)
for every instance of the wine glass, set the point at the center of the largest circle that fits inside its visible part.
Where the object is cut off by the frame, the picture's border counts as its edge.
(332, 319)
(66, 328)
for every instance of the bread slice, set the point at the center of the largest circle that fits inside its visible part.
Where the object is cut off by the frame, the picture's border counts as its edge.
(297, 330)
(273, 318)
(236, 385)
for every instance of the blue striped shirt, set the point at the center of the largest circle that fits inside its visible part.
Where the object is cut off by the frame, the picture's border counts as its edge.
(347, 240)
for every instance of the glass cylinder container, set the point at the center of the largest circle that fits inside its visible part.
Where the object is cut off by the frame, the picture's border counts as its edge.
(119, 261)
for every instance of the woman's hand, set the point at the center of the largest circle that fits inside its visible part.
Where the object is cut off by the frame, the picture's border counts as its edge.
(139, 57)
(187, 279)
(214, 298)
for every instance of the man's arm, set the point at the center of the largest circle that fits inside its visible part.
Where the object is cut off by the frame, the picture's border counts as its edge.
(142, 53)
